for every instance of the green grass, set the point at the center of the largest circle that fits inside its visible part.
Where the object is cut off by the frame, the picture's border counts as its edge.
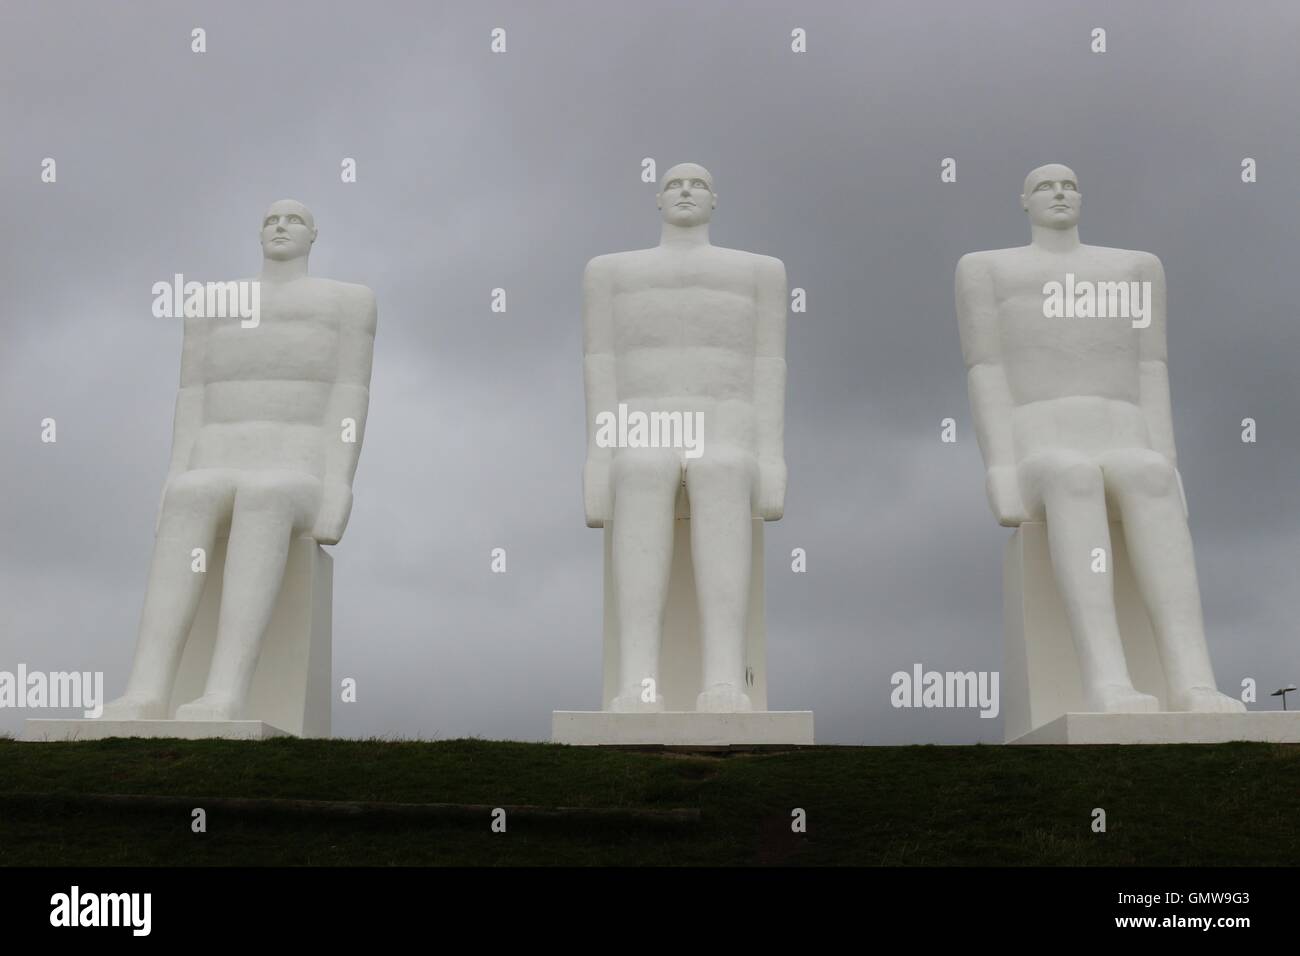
(1228, 804)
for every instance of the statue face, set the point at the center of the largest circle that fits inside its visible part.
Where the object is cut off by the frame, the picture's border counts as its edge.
(686, 197)
(1052, 197)
(288, 230)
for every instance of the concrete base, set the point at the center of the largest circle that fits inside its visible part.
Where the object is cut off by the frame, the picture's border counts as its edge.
(682, 728)
(292, 682)
(37, 730)
(1167, 728)
(1040, 667)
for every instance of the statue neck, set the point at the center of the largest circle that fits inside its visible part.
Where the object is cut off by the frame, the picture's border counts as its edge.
(684, 235)
(1054, 240)
(283, 270)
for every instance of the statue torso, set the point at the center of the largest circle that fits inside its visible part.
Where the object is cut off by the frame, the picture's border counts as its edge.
(684, 330)
(1074, 382)
(266, 389)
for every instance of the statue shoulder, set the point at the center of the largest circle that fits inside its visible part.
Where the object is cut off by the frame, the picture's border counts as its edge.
(987, 260)
(1146, 259)
(766, 265)
(358, 302)
(611, 262)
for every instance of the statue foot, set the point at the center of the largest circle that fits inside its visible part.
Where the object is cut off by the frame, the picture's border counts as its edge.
(1121, 699)
(724, 699)
(1205, 700)
(210, 707)
(135, 707)
(630, 702)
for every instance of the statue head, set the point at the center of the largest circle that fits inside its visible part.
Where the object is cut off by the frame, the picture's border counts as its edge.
(686, 197)
(288, 230)
(1052, 197)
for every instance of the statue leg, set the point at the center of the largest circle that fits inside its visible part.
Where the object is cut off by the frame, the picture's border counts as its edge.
(270, 508)
(1069, 489)
(720, 486)
(1145, 487)
(193, 504)
(645, 482)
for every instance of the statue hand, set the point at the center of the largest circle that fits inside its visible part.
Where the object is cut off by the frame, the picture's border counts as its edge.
(595, 492)
(771, 489)
(332, 516)
(1003, 486)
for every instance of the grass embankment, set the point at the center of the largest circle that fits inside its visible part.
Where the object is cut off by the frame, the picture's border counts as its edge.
(1229, 804)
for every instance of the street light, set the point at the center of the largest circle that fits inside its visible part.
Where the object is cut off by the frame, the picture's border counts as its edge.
(1282, 693)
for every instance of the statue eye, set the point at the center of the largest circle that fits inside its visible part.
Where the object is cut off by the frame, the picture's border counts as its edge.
(295, 219)
(270, 221)
(673, 184)
(700, 184)
(1042, 186)
(1070, 186)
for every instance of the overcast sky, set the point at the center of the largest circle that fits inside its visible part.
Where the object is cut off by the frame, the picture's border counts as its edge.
(478, 170)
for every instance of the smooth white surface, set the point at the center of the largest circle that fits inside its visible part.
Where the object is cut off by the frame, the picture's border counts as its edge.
(681, 729)
(292, 686)
(1040, 669)
(49, 730)
(258, 454)
(685, 327)
(1168, 728)
(1073, 418)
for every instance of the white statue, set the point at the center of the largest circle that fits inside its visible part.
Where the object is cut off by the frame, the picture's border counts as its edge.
(688, 329)
(268, 429)
(1073, 414)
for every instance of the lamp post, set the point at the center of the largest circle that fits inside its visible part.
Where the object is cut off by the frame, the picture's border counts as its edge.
(1282, 692)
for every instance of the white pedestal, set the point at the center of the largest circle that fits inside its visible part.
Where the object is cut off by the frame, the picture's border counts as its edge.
(292, 683)
(1040, 671)
(45, 730)
(680, 656)
(1167, 728)
(682, 729)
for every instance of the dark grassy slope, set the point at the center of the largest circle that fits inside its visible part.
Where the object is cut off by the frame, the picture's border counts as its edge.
(1230, 804)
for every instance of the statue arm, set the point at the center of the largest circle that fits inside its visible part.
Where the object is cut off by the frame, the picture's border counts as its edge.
(769, 387)
(990, 393)
(188, 418)
(1154, 375)
(598, 367)
(345, 419)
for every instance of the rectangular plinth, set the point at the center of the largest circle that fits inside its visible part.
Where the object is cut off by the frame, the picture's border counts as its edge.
(292, 681)
(38, 730)
(1167, 728)
(1040, 670)
(682, 728)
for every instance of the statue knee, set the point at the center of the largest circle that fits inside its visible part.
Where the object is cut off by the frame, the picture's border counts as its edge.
(1141, 472)
(1078, 478)
(723, 466)
(272, 493)
(645, 469)
(192, 491)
